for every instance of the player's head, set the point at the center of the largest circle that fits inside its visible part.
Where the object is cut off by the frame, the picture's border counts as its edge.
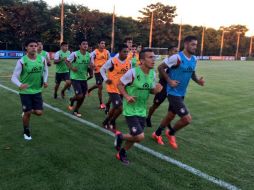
(40, 45)
(128, 41)
(31, 46)
(101, 44)
(134, 48)
(139, 48)
(83, 45)
(123, 51)
(147, 58)
(64, 46)
(190, 44)
(172, 50)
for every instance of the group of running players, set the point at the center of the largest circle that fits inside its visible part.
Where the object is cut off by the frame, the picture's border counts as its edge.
(129, 76)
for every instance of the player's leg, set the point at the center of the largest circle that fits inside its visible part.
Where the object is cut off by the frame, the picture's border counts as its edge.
(57, 84)
(80, 97)
(157, 101)
(164, 123)
(117, 104)
(66, 78)
(136, 126)
(181, 110)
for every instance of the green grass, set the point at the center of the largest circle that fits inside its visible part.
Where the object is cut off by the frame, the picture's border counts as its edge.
(65, 154)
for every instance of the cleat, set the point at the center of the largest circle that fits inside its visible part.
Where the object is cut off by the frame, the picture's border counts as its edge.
(148, 122)
(158, 139)
(27, 137)
(122, 158)
(102, 106)
(105, 124)
(62, 94)
(118, 140)
(77, 114)
(171, 140)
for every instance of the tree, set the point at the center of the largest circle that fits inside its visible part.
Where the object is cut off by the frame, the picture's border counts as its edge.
(163, 19)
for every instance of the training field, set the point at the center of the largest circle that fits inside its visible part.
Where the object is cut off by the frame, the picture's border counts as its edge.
(68, 154)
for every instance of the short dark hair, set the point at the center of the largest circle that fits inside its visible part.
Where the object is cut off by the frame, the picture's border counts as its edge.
(134, 45)
(27, 42)
(121, 47)
(82, 40)
(172, 46)
(101, 40)
(127, 39)
(189, 39)
(64, 43)
(142, 53)
(38, 41)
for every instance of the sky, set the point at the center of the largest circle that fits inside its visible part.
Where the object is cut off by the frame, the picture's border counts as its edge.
(209, 13)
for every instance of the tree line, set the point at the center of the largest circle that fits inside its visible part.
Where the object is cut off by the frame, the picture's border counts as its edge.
(22, 19)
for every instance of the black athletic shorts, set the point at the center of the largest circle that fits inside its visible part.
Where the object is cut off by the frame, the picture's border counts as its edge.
(136, 124)
(31, 102)
(177, 106)
(98, 78)
(162, 95)
(116, 99)
(79, 86)
(62, 77)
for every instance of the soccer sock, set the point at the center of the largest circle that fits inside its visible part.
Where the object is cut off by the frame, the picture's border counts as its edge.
(100, 101)
(170, 127)
(106, 121)
(172, 131)
(159, 130)
(26, 130)
(71, 102)
(122, 151)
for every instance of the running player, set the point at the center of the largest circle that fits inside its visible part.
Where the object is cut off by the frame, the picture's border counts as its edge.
(79, 63)
(116, 68)
(98, 58)
(62, 71)
(135, 86)
(128, 42)
(30, 74)
(160, 97)
(182, 68)
(43, 53)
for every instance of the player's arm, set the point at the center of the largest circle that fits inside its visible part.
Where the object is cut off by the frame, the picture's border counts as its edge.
(104, 69)
(157, 87)
(167, 64)
(45, 74)
(90, 69)
(200, 81)
(48, 59)
(126, 79)
(69, 61)
(16, 74)
(57, 58)
(92, 56)
(108, 55)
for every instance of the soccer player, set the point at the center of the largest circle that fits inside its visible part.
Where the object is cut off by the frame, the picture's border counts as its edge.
(98, 58)
(116, 68)
(135, 86)
(43, 53)
(62, 71)
(30, 74)
(160, 97)
(135, 56)
(182, 68)
(79, 62)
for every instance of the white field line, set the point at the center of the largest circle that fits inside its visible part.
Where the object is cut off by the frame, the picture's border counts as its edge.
(168, 159)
